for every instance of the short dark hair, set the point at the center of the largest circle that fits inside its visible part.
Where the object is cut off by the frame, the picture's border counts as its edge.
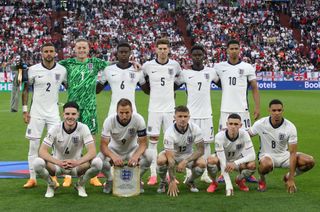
(233, 42)
(123, 44)
(71, 104)
(275, 102)
(47, 44)
(234, 116)
(162, 41)
(198, 47)
(82, 40)
(124, 102)
(181, 108)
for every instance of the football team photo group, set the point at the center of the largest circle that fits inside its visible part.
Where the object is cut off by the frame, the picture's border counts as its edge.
(178, 121)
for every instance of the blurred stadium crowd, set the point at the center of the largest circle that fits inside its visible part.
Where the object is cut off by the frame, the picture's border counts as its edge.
(275, 37)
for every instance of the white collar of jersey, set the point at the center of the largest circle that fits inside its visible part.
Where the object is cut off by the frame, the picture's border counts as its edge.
(232, 140)
(275, 127)
(130, 64)
(197, 69)
(236, 63)
(54, 65)
(175, 126)
(161, 63)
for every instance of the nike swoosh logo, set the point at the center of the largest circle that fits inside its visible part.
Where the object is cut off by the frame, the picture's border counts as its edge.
(191, 77)
(153, 72)
(114, 75)
(224, 70)
(40, 76)
(264, 133)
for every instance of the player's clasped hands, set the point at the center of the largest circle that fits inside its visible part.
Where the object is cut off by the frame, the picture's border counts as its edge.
(173, 189)
(70, 164)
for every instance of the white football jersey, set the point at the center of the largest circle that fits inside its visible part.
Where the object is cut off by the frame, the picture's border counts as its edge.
(198, 84)
(274, 140)
(182, 143)
(46, 84)
(123, 139)
(123, 83)
(161, 78)
(233, 150)
(235, 80)
(68, 145)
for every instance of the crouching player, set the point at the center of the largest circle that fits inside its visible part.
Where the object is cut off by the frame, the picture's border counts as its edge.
(234, 152)
(178, 154)
(67, 140)
(124, 138)
(278, 147)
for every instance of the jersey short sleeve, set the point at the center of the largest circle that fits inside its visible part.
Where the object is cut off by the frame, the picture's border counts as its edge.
(106, 129)
(293, 135)
(219, 138)
(87, 137)
(198, 134)
(251, 73)
(51, 136)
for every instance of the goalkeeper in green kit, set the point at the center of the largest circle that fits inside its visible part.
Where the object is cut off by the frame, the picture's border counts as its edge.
(82, 78)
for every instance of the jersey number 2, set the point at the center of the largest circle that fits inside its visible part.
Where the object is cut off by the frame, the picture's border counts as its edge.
(48, 87)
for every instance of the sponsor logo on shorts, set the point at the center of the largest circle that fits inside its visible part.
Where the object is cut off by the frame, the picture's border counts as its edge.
(149, 128)
(29, 131)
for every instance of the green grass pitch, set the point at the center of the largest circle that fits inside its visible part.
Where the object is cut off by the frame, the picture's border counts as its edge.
(301, 107)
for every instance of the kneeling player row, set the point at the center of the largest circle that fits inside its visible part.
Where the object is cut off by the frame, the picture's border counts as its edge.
(124, 138)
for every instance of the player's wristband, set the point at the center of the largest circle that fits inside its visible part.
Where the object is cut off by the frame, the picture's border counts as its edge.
(24, 108)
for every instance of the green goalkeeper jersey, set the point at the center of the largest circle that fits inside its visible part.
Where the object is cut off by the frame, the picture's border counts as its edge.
(82, 79)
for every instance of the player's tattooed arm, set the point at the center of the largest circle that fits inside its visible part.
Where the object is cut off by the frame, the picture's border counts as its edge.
(171, 164)
(198, 153)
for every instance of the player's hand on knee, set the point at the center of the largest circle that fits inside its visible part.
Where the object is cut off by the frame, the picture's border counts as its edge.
(173, 189)
(181, 166)
(230, 167)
